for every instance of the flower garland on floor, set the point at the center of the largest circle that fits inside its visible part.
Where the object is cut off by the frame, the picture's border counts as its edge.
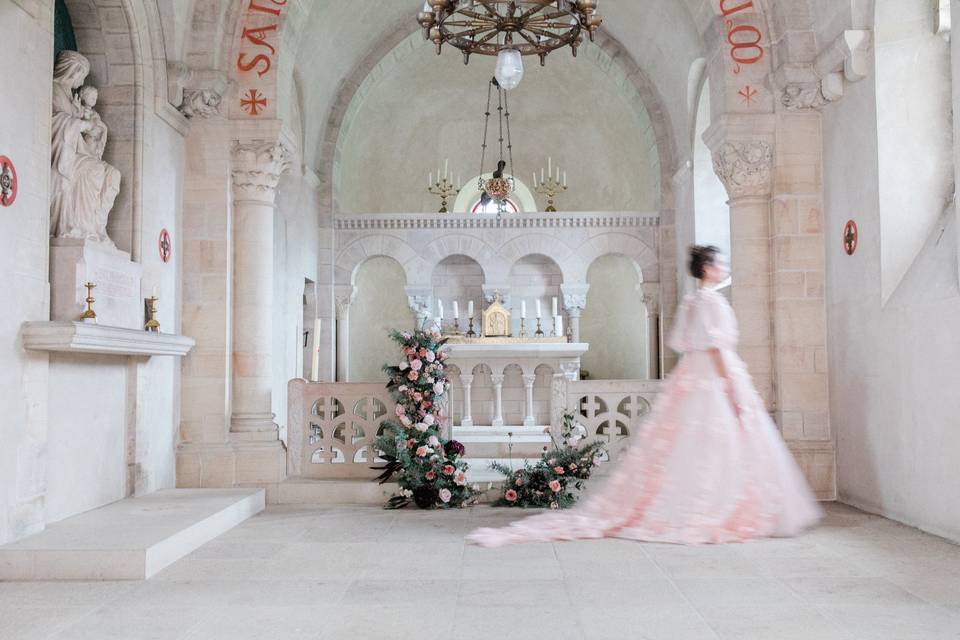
(554, 481)
(431, 471)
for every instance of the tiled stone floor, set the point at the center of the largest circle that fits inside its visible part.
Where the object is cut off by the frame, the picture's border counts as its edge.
(354, 573)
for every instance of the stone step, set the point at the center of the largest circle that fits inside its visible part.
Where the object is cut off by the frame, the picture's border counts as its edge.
(334, 492)
(480, 471)
(131, 539)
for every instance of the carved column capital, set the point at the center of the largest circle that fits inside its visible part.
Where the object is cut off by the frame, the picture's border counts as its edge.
(574, 298)
(420, 300)
(344, 297)
(650, 295)
(256, 169)
(745, 167)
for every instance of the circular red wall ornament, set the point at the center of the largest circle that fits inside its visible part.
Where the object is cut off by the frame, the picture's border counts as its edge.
(851, 237)
(165, 245)
(8, 182)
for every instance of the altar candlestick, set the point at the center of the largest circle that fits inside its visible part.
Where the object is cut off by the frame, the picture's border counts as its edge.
(564, 178)
(538, 309)
(555, 306)
(315, 364)
(541, 174)
(456, 309)
(470, 308)
(430, 179)
(523, 309)
(550, 165)
(440, 309)
(559, 324)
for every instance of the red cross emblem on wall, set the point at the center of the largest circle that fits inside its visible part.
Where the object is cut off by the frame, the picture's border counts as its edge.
(165, 245)
(8, 182)
(253, 102)
(851, 237)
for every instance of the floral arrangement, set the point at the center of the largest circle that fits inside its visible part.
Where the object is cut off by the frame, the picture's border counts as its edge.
(431, 471)
(554, 481)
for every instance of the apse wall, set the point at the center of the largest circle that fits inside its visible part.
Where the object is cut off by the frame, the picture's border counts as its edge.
(416, 109)
(893, 365)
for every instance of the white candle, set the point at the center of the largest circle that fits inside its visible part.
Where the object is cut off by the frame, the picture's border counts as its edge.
(564, 178)
(538, 309)
(559, 325)
(470, 309)
(155, 290)
(541, 175)
(315, 364)
(550, 165)
(446, 167)
(534, 183)
(456, 309)
(440, 309)
(430, 179)
(523, 309)
(458, 183)
(555, 306)
(558, 174)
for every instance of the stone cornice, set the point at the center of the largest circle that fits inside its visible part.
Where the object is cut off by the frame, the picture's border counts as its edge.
(510, 221)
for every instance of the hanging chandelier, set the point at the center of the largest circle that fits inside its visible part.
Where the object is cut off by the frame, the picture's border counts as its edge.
(509, 29)
(498, 187)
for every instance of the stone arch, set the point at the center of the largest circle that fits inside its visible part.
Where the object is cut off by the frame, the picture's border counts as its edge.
(351, 257)
(634, 248)
(569, 262)
(116, 38)
(471, 246)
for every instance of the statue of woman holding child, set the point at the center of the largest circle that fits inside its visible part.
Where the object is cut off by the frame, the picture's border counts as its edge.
(83, 186)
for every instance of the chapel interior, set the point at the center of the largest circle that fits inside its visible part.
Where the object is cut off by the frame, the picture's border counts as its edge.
(214, 212)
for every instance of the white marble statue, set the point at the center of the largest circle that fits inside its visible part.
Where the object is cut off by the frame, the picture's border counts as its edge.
(83, 186)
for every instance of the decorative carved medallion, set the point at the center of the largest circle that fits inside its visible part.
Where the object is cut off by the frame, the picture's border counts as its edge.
(8, 182)
(165, 246)
(201, 103)
(744, 167)
(851, 237)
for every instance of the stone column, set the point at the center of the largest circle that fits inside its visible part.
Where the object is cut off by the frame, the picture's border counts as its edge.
(344, 297)
(529, 419)
(742, 149)
(650, 292)
(574, 300)
(255, 170)
(497, 379)
(467, 419)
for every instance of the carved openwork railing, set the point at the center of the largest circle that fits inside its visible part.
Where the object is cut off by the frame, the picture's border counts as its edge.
(612, 410)
(333, 427)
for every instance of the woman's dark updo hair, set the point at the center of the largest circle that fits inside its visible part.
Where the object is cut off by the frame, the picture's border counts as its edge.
(700, 258)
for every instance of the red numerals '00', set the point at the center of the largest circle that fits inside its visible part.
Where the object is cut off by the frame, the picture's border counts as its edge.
(744, 39)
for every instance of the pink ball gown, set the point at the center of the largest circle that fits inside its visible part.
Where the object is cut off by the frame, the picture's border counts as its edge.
(696, 473)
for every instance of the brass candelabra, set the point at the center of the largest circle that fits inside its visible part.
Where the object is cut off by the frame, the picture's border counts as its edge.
(89, 315)
(445, 189)
(551, 187)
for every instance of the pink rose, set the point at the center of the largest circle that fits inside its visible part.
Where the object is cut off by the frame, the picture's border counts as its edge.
(573, 466)
(460, 479)
(444, 355)
(412, 376)
(555, 486)
(405, 421)
(430, 356)
(422, 451)
(518, 482)
(416, 365)
(400, 411)
(433, 441)
(429, 420)
(445, 495)
(510, 495)
(421, 427)
(417, 396)
(448, 469)
(430, 475)
(422, 352)
(438, 388)
(411, 443)
(559, 471)
(552, 462)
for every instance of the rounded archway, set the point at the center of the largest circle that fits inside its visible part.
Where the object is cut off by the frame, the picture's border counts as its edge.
(380, 306)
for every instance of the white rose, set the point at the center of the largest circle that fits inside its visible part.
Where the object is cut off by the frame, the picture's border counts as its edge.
(404, 365)
(438, 388)
(433, 441)
(421, 427)
(429, 419)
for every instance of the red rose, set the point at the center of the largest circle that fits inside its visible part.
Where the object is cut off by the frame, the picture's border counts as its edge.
(448, 469)
(558, 470)
(431, 475)
(510, 495)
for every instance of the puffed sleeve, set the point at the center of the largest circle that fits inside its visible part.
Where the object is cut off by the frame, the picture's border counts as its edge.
(716, 325)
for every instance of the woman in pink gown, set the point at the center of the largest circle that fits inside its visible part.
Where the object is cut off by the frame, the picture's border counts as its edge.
(709, 465)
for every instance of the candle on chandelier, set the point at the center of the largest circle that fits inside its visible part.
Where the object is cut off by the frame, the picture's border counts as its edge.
(446, 167)
(315, 363)
(523, 309)
(554, 305)
(564, 179)
(550, 165)
(430, 179)
(541, 175)
(470, 308)
(534, 183)
(440, 309)
(456, 309)
(538, 309)
(458, 183)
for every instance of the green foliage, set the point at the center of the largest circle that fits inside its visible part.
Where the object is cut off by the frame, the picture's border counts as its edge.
(556, 479)
(431, 471)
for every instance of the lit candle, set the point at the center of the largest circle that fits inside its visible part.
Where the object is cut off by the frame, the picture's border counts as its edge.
(470, 308)
(456, 309)
(315, 365)
(440, 309)
(538, 309)
(523, 309)
(555, 306)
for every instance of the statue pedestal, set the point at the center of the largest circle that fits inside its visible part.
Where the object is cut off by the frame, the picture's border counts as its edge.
(76, 262)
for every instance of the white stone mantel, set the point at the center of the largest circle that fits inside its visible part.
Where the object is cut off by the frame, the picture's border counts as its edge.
(83, 337)
(516, 352)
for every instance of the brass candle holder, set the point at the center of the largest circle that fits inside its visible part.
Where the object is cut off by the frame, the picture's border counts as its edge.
(89, 315)
(152, 324)
(539, 332)
(523, 327)
(445, 189)
(470, 332)
(554, 332)
(551, 187)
